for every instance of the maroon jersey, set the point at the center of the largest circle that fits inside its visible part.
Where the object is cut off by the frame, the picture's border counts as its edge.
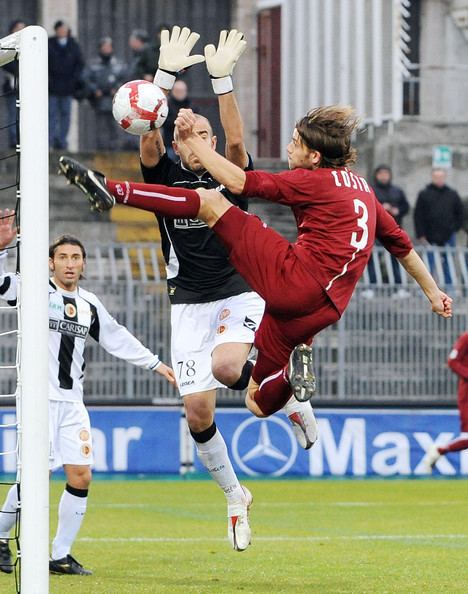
(458, 358)
(338, 218)
(458, 363)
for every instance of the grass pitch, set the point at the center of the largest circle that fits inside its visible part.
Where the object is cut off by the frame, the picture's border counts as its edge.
(321, 536)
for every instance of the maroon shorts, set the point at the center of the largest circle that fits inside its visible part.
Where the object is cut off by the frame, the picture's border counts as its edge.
(297, 306)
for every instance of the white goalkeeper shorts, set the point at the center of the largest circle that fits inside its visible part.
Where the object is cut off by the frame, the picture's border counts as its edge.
(70, 440)
(197, 329)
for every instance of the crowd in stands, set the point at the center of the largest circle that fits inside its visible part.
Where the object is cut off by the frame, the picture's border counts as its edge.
(439, 211)
(95, 81)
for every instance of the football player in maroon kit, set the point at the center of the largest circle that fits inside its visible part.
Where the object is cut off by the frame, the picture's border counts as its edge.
(307, 284)
(458, 363)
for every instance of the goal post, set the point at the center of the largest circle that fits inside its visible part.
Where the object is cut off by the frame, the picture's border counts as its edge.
(30, 47)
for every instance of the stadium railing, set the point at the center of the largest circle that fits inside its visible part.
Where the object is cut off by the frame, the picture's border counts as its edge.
(388, 348)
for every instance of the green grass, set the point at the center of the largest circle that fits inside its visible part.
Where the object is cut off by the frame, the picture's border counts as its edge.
(308, 536)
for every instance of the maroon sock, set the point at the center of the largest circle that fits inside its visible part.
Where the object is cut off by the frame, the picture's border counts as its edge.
(461, 443)
(162, 200)
(273, 393)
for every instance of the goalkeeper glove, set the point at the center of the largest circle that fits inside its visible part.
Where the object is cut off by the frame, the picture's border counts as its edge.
(174, 55)
(220, 62)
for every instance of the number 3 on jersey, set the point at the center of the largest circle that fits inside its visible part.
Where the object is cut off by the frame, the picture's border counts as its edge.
(361, 210)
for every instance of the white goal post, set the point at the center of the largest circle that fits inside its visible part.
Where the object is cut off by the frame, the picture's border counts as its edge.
(30, 46)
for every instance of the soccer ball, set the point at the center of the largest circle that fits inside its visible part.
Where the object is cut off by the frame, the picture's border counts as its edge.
(139, 107)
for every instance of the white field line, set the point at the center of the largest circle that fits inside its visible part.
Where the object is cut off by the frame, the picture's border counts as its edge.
(356, 537)
(285, 504)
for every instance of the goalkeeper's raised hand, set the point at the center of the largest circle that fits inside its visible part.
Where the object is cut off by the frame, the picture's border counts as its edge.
(174, 55)
(220, 61)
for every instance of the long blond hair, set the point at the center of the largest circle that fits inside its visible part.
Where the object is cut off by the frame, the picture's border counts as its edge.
(328, 130)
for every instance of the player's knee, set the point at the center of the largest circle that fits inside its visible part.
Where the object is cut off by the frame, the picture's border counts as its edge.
(199, 416)
(226, 372)
(79, 477)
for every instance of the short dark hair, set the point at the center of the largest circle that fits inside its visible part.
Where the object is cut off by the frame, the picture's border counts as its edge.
(328, 130)
(140, 34)
(59, 23)
(14, 24)
(66, 240)
(382, 167)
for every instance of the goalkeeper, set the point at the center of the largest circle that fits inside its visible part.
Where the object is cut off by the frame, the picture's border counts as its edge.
(214, 312)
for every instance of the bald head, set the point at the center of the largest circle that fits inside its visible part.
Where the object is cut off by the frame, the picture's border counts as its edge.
(201, 128)
(202, 125)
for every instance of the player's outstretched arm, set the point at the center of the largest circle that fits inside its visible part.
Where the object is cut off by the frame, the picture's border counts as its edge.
(174, 56)
(228, 174)
(220, 63)
(441, 303)
(151, 148)
(118, 341)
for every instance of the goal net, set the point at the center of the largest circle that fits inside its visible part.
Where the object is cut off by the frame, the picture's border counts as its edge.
(24, 188)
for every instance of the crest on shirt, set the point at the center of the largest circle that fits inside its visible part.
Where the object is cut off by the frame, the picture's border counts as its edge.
(86, 450)
(70, 310)
(84, 434)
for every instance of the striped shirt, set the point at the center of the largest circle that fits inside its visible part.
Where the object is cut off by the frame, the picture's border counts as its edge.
(72, 317)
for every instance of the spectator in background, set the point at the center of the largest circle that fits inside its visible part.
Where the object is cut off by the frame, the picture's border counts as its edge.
(439, 212)
(438, 216)
(177, 99)
(65, 70)
(394, 201)
(11, 73)
(102, 78)
(391, 197)
(145, 56)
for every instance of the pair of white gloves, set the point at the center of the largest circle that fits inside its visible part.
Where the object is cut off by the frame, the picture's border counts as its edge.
(174, 56)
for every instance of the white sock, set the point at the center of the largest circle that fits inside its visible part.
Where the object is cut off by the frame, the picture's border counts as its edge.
(8, 519)
(71, 512)
(213, 454)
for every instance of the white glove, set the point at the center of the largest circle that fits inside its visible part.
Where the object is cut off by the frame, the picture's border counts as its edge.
(174, 55)
(220, 62)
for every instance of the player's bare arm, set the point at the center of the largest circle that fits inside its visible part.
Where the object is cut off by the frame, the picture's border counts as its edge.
(230, 175)
(220, 63)
(174, 56)
(151, 148)
(233, 126)
(441, 303)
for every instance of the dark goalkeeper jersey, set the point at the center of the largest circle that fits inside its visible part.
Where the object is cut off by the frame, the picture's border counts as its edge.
(198, 270)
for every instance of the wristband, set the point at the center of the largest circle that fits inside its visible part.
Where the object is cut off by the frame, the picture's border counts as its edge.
(223, 85)
(164, 79)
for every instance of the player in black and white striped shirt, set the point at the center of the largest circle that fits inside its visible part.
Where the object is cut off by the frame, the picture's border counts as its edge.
(73, 315)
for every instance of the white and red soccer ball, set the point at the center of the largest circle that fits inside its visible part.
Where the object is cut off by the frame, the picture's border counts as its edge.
(139, 106)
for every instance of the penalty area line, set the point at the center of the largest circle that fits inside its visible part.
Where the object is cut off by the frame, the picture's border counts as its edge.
(356, 537)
